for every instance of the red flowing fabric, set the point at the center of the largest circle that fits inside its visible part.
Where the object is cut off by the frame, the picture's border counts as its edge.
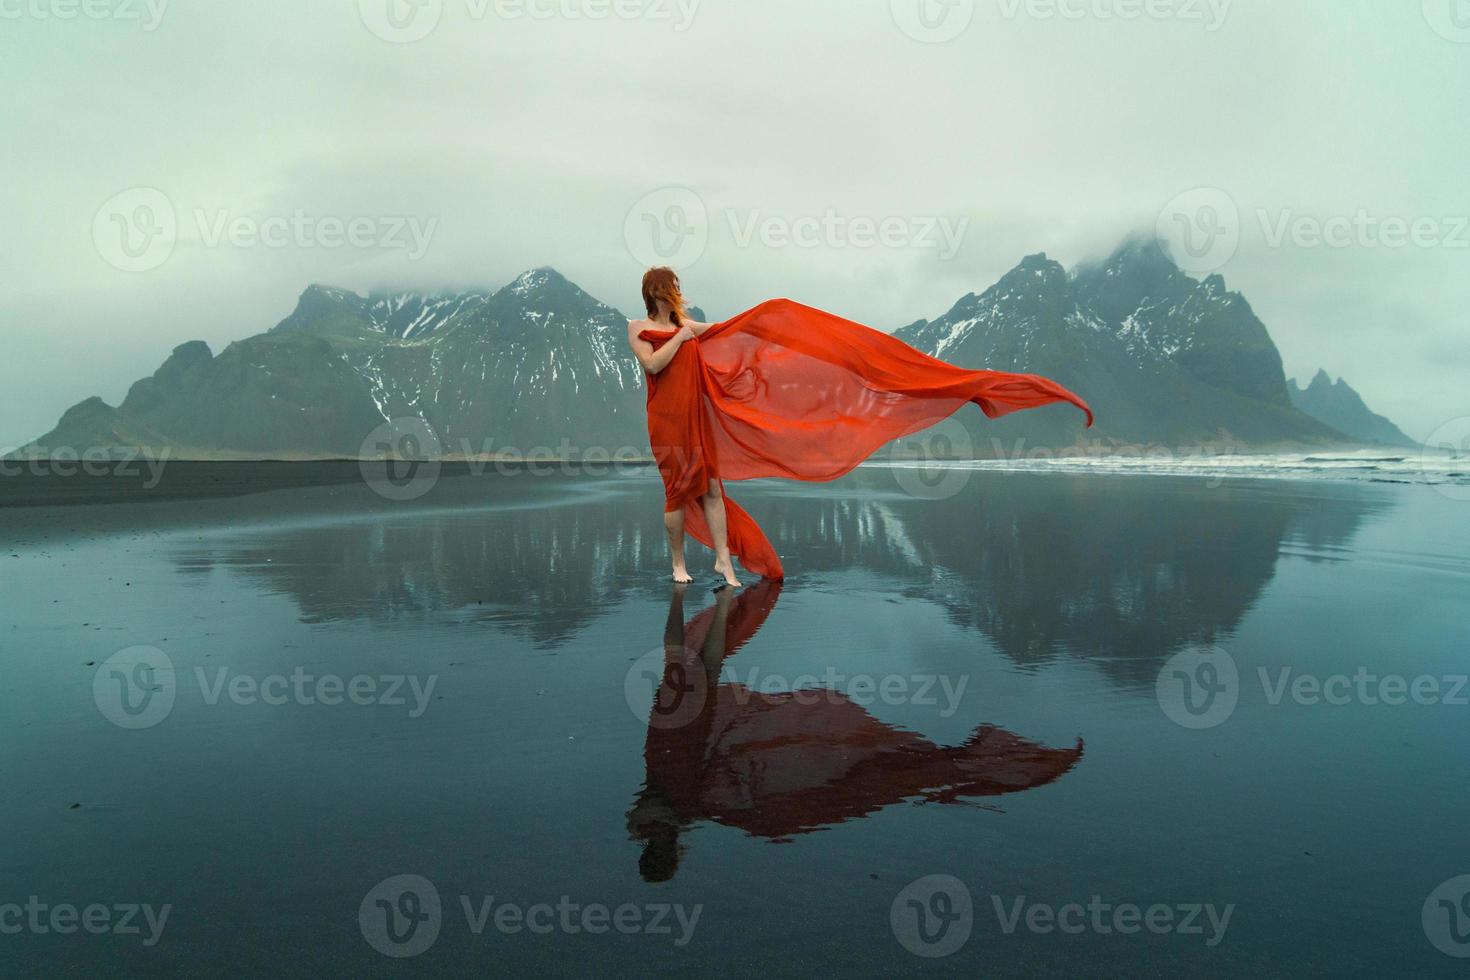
(786, 390)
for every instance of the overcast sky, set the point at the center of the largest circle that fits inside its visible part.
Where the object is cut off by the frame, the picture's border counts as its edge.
(849, 153)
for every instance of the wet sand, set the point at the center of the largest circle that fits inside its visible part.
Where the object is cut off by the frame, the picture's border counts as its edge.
(966, 686)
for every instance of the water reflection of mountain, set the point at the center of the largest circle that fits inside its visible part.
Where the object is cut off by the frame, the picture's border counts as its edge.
(540, 571)
(1124, 570)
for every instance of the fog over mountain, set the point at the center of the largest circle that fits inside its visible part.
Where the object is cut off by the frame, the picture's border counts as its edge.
(539, 364)
(498, 143)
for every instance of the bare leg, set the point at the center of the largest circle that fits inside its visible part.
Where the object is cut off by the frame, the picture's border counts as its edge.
(674, 526)
(714, 515)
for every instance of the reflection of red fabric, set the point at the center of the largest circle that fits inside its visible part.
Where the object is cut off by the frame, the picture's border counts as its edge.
(789, 391)
(777, 765)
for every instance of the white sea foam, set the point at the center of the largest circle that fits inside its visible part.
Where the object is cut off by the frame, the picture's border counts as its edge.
(1367, 465)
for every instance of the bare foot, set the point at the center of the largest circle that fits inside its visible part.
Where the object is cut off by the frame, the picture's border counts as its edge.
(727, 570)
(681, 575)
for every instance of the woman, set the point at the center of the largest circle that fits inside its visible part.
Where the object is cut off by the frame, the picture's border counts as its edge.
(785, 390)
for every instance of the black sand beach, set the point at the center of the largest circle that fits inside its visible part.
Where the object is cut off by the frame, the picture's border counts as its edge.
(259, 695)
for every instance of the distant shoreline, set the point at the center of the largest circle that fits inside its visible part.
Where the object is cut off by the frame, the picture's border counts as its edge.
(144, 479)
(102, 455)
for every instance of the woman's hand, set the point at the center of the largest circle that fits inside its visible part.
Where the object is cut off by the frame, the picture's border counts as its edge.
(655, 361)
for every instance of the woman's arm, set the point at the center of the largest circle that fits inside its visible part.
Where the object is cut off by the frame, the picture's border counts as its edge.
(654, 361)
(697, 328)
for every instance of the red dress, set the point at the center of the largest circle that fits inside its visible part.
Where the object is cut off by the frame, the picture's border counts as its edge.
(789, 391)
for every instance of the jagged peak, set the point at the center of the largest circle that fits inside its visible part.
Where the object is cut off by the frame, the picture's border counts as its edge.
(1142, 255)
(86, 405)
(1321, 379)
(1033, 271)
(542, 288)
(537, 279)
(322, 291)
(192, 350)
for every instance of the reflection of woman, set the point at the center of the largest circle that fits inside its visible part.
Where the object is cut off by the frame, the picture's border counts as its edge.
(777, 765)
(785, 390)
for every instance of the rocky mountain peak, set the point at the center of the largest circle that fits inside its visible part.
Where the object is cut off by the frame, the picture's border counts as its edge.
(1335, 403)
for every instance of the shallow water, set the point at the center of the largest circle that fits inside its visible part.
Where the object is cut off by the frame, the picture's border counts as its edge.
(959, 721)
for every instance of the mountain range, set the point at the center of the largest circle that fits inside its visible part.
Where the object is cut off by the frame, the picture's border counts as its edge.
(1163, 358)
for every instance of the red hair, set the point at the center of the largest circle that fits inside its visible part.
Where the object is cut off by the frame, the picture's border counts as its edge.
(661, 283)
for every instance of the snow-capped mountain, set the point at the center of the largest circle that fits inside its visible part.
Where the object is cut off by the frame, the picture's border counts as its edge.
(514, 370)
(1162, 358)
(539, 364)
